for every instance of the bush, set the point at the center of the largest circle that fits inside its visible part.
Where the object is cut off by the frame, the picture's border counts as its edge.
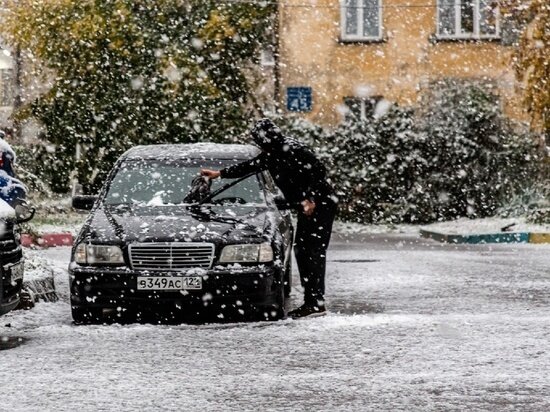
(36, 168)
(458, 157)
(532, 201)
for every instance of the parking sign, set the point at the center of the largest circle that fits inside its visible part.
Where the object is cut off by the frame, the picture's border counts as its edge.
(299, 99)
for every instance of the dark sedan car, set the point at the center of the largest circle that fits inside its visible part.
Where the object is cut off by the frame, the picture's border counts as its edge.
(147, 251)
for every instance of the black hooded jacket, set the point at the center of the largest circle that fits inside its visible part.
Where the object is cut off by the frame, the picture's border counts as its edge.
(294, 167)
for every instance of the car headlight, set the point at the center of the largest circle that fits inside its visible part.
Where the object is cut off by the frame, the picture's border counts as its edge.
(87, 254)
(247, 253)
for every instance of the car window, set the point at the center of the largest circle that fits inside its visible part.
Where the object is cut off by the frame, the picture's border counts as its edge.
(152, 183)
(269, 183)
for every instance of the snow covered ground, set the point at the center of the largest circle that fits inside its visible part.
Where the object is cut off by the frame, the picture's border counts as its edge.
(350, 228)
(487, 226)
(415, 325)
(460, 226)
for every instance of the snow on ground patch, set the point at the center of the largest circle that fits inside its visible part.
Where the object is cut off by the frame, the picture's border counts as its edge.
(36, 266)
(351, 228)
(72, 228)
(486, 226)
(459, 226)
(53, 264)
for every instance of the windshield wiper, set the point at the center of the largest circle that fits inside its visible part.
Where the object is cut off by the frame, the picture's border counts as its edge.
(123, 205)
(223, 189)
(214, 217)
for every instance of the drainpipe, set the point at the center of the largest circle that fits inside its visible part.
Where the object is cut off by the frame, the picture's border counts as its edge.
(276, 58)
(17, 98)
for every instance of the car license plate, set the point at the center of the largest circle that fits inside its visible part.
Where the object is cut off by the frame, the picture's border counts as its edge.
(169, 282)
(16, 271)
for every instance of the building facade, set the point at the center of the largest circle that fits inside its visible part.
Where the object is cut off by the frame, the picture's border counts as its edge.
(7, 88)
(342, 55)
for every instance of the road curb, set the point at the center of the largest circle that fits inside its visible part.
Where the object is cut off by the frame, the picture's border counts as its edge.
(539, 238)
(472, 239)
(47, 240)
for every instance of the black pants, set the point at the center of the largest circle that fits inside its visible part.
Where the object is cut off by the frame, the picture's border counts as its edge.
(311, 243)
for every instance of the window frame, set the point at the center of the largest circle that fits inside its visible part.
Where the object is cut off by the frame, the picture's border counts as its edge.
(360, 24)
(267, 57)
(364, 103)
(475, 35)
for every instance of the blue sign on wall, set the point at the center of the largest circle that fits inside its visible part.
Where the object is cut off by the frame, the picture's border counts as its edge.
(299, 99)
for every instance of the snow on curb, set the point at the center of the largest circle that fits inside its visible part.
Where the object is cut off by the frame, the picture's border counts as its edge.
(489, 230)
(464, 230)
(465, 226)
(475, 239)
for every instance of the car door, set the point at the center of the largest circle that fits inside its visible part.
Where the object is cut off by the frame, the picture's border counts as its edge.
(285, 224)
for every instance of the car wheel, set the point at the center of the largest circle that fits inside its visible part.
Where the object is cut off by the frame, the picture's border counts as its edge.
(287, 278)
(280, 312)
(85, 316)
(275, 311)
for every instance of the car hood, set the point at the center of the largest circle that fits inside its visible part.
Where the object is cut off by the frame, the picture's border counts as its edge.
(178, 225)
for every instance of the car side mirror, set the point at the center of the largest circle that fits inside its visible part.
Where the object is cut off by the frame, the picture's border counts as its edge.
(24, 213)
(281, 203)
(83, 202)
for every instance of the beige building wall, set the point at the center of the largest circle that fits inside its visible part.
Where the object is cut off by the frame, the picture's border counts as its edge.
(397, 68)
(6, 66)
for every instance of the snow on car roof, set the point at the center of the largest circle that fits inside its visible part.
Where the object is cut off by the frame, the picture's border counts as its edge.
(192, 151)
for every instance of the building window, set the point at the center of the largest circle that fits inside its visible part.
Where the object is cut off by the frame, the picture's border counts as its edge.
(267, 57)
(361, 108)
(361, 20)
(468, 19)
(6, 87)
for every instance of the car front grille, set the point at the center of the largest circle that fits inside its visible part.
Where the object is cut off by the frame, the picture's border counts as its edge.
(171, 256)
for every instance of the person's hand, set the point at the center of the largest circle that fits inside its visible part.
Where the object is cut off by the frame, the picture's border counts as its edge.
(211, 174)
(309, 207)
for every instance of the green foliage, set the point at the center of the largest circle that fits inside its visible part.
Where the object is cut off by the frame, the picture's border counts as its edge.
(531, 201)
(35, 167)
(458, 157)
(129, 72)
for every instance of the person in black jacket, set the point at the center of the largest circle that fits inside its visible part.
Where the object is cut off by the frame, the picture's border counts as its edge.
(302, 179)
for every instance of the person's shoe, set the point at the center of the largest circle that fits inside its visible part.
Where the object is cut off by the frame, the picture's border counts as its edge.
(306, 310)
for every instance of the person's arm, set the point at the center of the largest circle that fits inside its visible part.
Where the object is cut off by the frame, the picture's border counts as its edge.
(240, 169)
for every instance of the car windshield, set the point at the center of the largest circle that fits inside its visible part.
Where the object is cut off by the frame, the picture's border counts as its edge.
(154, 183)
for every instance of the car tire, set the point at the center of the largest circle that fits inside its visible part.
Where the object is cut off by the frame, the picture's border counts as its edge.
(278, 312)
(281, 313)
(275, 311)
(86, 316)
(287, 278)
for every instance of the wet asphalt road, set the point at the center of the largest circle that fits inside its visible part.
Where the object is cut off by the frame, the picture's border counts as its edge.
(414, 325)
(407, 274)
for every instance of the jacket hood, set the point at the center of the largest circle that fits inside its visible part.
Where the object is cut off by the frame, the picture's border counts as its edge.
(267, 135)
